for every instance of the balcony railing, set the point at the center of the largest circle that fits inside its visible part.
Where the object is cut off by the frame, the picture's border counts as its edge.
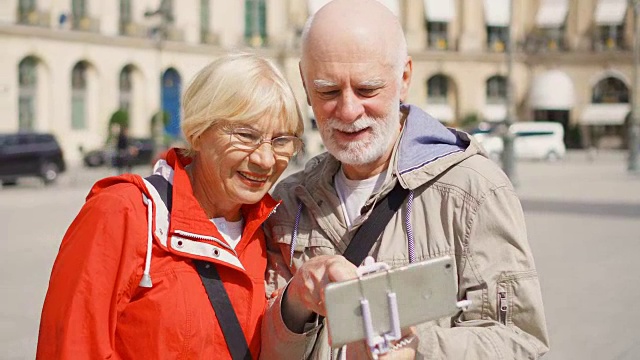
(174, 33)
(438, 42)
(209, 38)
(133, 29)
(87, 24)
(543, 43)
(35, 18)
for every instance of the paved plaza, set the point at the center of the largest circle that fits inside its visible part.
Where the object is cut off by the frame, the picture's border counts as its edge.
(583, 219)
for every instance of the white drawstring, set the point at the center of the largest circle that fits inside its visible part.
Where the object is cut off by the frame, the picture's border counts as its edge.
(146, 278)
(407, 220)
(294, 234)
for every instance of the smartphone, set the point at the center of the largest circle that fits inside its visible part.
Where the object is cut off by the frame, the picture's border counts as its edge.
(425, 291)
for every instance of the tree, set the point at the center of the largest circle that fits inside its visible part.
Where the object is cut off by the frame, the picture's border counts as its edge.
(470, 121)
(158, 132)
(120, 117)
(165, 119)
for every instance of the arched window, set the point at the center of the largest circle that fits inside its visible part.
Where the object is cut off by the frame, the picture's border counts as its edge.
(28, 81)
(610, 90)
(79, 96)
(496, 89)
(255, 22)
(171, 84)
(126, 88)
(437, 89)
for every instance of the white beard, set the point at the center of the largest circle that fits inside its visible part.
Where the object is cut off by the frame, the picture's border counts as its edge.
(382, 134)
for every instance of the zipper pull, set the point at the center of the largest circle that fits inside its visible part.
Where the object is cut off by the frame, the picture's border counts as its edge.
(502, 307)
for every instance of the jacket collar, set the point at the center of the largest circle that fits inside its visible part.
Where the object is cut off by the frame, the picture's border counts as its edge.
(187, 215)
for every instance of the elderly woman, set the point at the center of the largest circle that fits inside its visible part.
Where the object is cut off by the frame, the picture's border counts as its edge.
(133, 277)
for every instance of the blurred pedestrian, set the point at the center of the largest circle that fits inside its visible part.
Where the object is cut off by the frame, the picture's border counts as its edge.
(141, 266)
(456, 202)
(124, 151)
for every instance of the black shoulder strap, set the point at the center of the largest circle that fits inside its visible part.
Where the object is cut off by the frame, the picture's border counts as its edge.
(216, 292)
(164, 189)
(368, 233)
(221, 303)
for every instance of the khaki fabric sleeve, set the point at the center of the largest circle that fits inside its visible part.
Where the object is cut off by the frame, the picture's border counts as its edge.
(497, 273)
(278, 342)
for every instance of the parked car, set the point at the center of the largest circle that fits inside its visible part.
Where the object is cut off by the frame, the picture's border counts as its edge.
(483, 130)
(535, 140)
(142, 155)
(30, 154)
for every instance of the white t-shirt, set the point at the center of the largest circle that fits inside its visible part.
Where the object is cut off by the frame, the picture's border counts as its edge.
(231, 231)
(355, 193)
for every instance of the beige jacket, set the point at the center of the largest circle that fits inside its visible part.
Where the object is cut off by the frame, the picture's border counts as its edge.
(464, 206)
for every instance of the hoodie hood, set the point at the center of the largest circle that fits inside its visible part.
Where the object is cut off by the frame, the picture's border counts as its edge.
(427, 148)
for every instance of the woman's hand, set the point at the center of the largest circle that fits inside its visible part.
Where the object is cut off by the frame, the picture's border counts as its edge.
(404, 349)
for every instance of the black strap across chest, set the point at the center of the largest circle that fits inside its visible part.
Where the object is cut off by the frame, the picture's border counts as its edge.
(229, 324)
(362, 242)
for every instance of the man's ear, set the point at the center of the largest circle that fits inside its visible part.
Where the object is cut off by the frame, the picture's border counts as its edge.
(304, 85)
(406, 79)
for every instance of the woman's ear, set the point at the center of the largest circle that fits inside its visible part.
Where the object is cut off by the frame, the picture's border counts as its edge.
(195, 143)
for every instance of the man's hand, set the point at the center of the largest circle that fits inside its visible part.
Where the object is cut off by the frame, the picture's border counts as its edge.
(305, 293)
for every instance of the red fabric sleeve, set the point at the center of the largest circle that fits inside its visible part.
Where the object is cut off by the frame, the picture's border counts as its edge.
(100, 259)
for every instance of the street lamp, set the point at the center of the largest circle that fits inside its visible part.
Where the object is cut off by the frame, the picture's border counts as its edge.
(634, 126)
(159, 34)
(508, 156)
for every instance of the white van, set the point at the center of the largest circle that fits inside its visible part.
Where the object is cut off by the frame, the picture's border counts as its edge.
(537, 140)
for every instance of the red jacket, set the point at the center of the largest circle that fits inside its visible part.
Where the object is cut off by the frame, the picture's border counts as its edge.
(95, 307)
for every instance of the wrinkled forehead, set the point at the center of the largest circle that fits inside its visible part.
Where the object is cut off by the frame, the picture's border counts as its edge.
(349, 50)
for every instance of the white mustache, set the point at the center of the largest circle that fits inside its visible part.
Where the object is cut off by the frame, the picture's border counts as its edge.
(355, 126)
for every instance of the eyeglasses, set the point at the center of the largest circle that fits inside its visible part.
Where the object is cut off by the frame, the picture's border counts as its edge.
(250, 139)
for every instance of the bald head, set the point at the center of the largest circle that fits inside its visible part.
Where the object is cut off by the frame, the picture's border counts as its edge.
(344, 28)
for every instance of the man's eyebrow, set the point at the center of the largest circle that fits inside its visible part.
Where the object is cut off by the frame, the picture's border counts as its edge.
(319, 84)
(373, 83)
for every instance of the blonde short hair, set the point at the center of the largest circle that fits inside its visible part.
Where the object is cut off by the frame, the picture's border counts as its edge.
(238, 87)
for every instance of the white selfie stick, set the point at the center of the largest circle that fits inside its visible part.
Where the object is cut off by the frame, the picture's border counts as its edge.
(381, 344)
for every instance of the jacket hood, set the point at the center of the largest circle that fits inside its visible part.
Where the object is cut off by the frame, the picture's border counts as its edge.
(186, 211)
(185, 230)
(105, 183)
(427, 148)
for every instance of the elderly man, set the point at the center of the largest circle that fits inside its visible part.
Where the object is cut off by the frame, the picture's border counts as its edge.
(356, 74)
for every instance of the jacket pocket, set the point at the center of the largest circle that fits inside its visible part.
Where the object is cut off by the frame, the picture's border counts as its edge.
(307, 244)
(517, 296)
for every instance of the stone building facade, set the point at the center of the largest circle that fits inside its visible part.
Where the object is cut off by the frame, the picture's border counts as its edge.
(67, 66)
